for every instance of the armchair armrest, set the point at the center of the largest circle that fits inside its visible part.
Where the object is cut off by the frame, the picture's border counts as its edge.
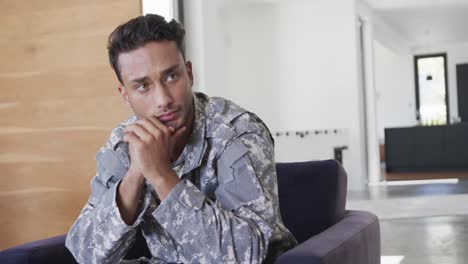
(51, 250)
(355, 239)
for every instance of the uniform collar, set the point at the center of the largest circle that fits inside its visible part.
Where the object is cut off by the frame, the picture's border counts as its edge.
(194, 150)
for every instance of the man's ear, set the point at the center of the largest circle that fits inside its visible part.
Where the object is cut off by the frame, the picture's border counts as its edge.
(124, 95)
(188, 66)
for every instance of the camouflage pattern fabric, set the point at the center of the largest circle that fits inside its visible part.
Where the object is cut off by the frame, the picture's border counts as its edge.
(225, 209)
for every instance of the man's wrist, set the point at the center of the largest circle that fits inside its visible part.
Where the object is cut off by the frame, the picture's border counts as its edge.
(128, 196)
(163, 182)
(135, 177)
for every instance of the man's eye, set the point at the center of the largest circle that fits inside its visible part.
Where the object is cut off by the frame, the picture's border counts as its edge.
(171, 77)
(141, 88)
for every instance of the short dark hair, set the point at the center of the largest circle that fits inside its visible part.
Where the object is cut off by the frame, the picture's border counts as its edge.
(139, 31)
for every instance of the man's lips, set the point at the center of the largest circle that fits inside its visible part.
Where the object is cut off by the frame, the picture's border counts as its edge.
(168, 116)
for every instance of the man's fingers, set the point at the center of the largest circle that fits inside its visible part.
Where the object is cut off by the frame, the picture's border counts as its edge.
(159, 125)
(178, 134)
(130, 137)
(139, 131)
(150, 127)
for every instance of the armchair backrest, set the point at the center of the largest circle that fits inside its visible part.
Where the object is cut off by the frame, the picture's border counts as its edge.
(312, 196)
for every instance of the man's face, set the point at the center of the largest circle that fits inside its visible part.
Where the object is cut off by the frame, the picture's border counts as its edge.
(157, 82)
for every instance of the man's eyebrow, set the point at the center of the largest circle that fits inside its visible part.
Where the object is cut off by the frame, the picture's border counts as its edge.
(140, 79)
(164, 73)
(170, 70)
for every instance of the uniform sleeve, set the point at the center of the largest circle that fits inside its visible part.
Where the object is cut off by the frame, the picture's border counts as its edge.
(99, 235)
(238, 226)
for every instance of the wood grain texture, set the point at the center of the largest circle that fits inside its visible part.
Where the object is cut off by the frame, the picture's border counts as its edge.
(103, 111)
(58, 104)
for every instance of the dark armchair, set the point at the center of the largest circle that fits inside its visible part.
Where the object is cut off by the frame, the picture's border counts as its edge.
(312, 198)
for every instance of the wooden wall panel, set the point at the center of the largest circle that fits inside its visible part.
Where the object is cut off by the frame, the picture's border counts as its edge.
(27, 175)
(104, 110)
(78, 83)
(58, 104)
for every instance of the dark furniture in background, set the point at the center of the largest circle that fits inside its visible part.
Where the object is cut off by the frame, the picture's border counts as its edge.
(427, 148)
(312, 199)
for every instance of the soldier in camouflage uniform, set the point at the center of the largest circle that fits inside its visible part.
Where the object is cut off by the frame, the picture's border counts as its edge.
(196, 174)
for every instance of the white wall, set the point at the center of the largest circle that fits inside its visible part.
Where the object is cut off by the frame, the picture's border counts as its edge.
(456, 54)
(251, 70)
(292, 62)
(394, 79)
(205, 45)
(393, 73)
(231, 46)
(164, 8)
(318, 73)
(382, 31)
(194, 24)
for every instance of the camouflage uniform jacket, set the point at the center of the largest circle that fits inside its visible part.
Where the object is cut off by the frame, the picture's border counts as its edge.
(225, 209)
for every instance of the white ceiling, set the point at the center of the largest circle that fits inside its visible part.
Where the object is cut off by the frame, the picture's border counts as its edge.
(425, 22)
(389, 4)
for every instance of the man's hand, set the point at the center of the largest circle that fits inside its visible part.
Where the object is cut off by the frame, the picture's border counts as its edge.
(151, 146)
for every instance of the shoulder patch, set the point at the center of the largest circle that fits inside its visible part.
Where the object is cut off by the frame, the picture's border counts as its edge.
(237, 181)
(233, 153)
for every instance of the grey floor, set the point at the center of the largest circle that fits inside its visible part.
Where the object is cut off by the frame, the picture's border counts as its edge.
(428, 240)
(383, 192)
(442, 240)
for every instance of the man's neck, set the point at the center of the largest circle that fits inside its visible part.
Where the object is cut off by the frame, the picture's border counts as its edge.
(180, 145)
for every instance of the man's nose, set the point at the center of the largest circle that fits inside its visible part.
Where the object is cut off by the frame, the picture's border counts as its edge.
(162, 97)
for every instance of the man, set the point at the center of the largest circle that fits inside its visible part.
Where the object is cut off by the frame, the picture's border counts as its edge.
(195, 174)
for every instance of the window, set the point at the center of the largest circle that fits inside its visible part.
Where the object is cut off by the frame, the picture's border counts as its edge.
(431, 89)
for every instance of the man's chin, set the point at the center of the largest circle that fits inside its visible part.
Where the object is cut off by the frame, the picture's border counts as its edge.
(173, 123)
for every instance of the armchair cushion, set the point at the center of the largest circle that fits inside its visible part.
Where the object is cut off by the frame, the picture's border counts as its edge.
(46, 251)
(312, 196)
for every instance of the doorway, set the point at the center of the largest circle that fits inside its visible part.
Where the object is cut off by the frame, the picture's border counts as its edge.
(432, 106)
